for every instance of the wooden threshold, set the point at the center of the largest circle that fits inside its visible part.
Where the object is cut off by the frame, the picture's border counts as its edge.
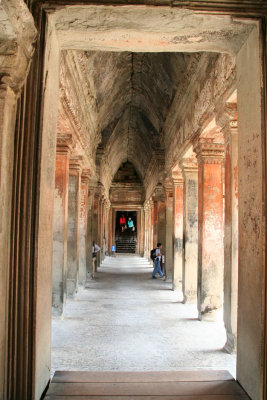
(169, 385)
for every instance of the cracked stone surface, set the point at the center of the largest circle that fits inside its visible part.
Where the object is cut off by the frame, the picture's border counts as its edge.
(125, 321)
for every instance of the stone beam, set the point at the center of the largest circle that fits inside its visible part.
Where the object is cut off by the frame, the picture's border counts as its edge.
(131, 29)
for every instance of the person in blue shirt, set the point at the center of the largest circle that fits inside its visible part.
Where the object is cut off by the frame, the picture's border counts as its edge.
(157, 261)
(130, 224)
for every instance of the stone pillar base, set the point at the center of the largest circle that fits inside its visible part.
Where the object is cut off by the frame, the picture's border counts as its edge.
(71, 287)
(230, 345)
(190, 298)
(209, 315)
(57, 305)
(177, 286)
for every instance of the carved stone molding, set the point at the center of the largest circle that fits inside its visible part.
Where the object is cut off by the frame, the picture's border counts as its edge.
(75, 165)
(215, 91)
(209, 153)
(64, 144)
(168, 187)
(227, 119)
(85, 177)
(18, 34)
(189, 165)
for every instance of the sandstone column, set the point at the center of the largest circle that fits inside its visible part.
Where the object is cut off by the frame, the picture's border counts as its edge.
(146, 231)
(60, 234)
(101, 224)
(162, 222)
(83, 226)
(177, 231)
(151, 207)
(210, 228)
(169, 231)
(110, 230)
(229, 122)
(94, 232)
(7, 129)
(142, 232)
(190, 231)
(155, 230)
(73, 226)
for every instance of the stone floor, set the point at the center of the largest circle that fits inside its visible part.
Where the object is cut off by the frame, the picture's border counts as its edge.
(125, 321)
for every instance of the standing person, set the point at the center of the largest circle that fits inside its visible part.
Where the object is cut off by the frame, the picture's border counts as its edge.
(95, 249)
(157, 268)
(130, 224)
(122, 222)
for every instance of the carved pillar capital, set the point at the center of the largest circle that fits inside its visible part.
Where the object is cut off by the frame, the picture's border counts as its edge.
(76, 164)
(227, 119)
(64, 144)
(85, 177)
(209, 152)
(189, 165)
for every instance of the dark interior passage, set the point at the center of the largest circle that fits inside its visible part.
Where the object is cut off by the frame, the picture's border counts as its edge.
(126, 231)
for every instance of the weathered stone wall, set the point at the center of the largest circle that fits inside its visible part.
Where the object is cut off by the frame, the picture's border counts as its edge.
(45, 215)
(17, 35)
(252, 197)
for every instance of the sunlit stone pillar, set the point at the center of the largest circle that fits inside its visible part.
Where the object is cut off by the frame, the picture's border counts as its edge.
(151, 205)
(110, 230)
(146, 231)
(107, 226)
(95, 204)
(102, 228)
(73, 226)
(190, 230)
(162, 223)
(142, 232)
(90, 228)
(210, 228)
(229, 126)
(8, 100)
(169, 230)
(60, 233)
(178, 184)
(83, 226)
(155, 219)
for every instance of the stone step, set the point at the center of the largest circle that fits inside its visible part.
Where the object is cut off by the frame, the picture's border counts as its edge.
(180, 385)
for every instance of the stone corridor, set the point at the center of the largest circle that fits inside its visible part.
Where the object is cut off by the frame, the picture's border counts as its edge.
(154, 110)
(125, 321)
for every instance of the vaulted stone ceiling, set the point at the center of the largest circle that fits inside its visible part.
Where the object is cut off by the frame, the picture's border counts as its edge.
(127, 96)
(133, 93)
(135, 71)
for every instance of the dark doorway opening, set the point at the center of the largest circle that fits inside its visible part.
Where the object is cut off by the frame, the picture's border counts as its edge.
(126, 231)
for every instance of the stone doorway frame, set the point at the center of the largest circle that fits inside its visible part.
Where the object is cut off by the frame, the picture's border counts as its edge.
(140, 236)
(39, 336)
(248, 69)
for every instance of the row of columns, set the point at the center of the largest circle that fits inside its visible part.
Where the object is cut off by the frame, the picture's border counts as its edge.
(81, 216)
(200, 219)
